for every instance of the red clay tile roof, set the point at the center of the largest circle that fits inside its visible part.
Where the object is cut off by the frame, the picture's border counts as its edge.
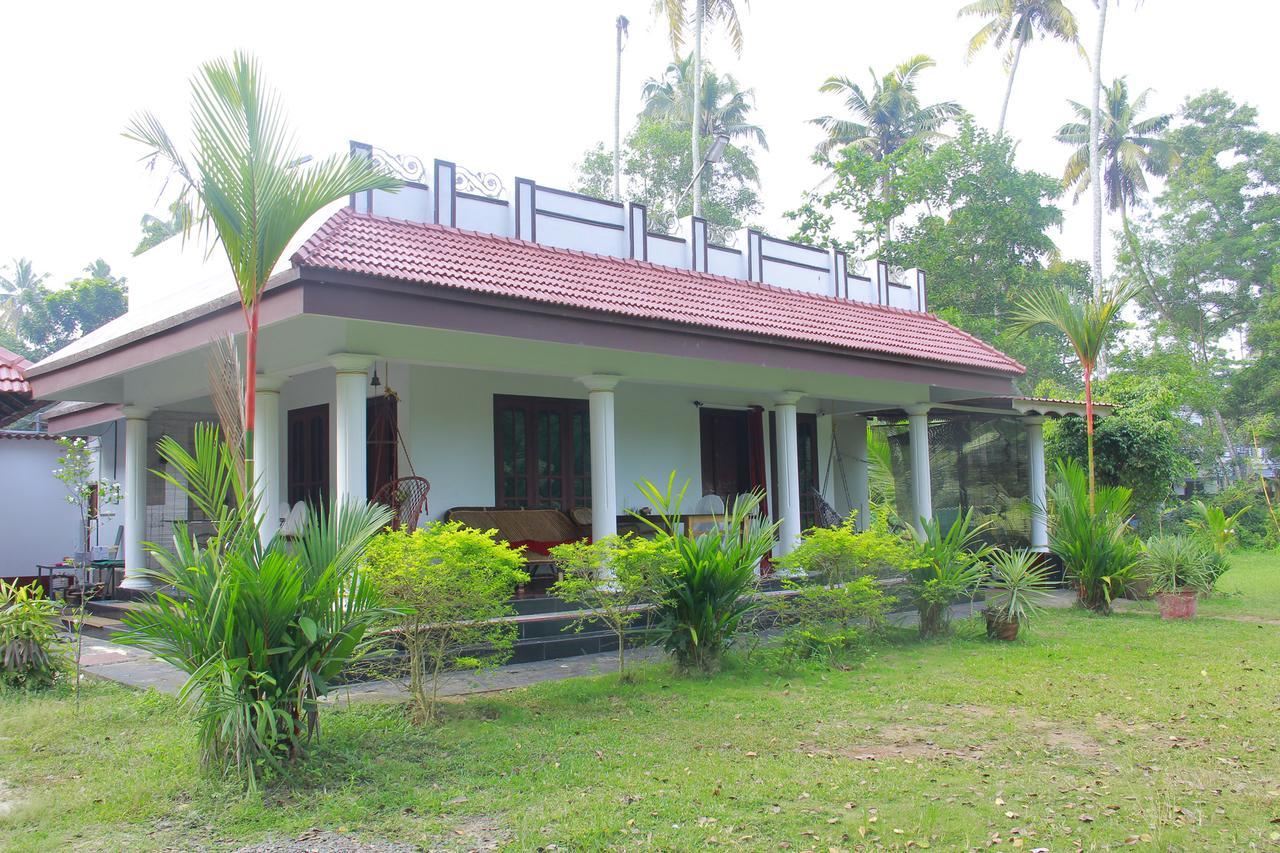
(13, 368)
(484, 263)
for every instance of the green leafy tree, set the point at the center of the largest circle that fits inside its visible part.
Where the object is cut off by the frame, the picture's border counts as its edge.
(656, 169)
(52, 319)
(245, 186)
(1143, 445)
(449, 588)
(156, 230)
(1012, 25)
(979, 225)
(20, 283)
(614, 580)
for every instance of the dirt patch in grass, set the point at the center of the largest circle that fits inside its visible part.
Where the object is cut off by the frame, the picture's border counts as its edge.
(1058, 736)
(324, 841)
(900, 741)
(476, 833)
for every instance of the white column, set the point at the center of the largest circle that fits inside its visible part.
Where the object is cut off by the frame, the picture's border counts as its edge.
(351, 433)
(136, 576)
(1035, 483)
(788, 465)
(859, 489)
(266, 455)
(604, 484)
(921, 484)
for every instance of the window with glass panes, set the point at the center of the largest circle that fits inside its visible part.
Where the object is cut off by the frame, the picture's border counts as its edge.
(542, 449)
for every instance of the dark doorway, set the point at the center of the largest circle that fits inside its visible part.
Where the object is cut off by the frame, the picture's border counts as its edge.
(732, 451)
(382, 455)
(308, 463)
(807, 455)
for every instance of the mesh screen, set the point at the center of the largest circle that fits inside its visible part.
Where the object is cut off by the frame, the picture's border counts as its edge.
(977, 462)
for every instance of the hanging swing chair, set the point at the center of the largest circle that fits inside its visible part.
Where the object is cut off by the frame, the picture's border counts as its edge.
(406, 497)
(825, 512)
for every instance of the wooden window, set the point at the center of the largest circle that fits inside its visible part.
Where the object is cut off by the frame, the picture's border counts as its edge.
(308, 463)
(382, 454)
(542, 453)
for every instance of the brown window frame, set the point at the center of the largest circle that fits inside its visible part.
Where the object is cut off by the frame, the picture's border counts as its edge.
(307, 488)
(574, 467)
(806, 423)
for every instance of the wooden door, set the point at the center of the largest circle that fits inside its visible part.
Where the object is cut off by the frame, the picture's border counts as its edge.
(726, 457)
(308, 463)
(382, 452)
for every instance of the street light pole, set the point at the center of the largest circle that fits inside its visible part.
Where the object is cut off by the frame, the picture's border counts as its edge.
(621, 24)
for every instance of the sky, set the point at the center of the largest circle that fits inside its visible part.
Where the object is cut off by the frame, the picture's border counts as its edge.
(521, 88)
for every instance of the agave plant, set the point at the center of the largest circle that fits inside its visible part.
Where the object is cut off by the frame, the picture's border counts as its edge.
(260, 631)
(1097, 546)
(949, 568)
(1016, 586)
(704, 599)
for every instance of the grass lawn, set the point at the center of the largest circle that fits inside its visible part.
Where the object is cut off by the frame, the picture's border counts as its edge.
(1091, 732)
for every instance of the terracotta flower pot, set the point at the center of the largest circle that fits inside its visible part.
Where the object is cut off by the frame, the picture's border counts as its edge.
(1177, 605)
(1001, 629)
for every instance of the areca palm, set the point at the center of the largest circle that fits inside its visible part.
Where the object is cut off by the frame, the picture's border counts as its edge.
(888, 118)
(676, 16)
(725, 107)
(244, 186)
(1087, 325)
(1014, 23)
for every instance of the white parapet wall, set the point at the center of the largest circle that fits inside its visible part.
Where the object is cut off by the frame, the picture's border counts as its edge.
(446, 194)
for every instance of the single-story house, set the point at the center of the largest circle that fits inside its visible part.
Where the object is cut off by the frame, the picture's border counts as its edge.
(542, 350)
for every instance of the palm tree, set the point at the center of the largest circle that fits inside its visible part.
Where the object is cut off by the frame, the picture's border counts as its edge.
(1130, 148)
(1014, 23)
(704, 12)
(725, 106)
(244, 185)
(13, 288)
(1095, 150)
(890, 117)
(1087, 324)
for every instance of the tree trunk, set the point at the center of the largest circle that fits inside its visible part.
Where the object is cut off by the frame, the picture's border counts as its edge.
(1088, 431)
(1227, 444)
(697, 106)
(250, 396)
(1095, 155)
(1008, 89)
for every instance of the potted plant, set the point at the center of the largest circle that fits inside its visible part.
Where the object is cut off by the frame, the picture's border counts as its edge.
(1178, 568)
(1016, 585)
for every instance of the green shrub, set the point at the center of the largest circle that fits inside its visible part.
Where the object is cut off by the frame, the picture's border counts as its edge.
(446, 586)
(1176, 563)
(1255, 527)
(31, 652)
(835, 555)
(1098, 549)
(261, 632)
(616, 579)
(703, 601)
(948, 567)
(829, 623)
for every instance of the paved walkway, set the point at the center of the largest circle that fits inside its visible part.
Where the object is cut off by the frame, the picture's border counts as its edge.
(135, 668)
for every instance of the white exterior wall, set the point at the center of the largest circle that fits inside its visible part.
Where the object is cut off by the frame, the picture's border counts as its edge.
(37, 525)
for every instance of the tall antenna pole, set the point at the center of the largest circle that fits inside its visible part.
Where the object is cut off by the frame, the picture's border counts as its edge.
(617, 112)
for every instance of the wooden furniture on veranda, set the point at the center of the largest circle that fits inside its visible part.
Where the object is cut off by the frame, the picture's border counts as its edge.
(407, 499)
(538, 530)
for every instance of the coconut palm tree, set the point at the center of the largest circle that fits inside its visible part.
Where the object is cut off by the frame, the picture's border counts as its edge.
(1131, 147)
(723, 12)
(245, 187)
(888, 118)
(1095, 150)
(1087, 324)
(1014, 23)
(725, 106)
(14, 287)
